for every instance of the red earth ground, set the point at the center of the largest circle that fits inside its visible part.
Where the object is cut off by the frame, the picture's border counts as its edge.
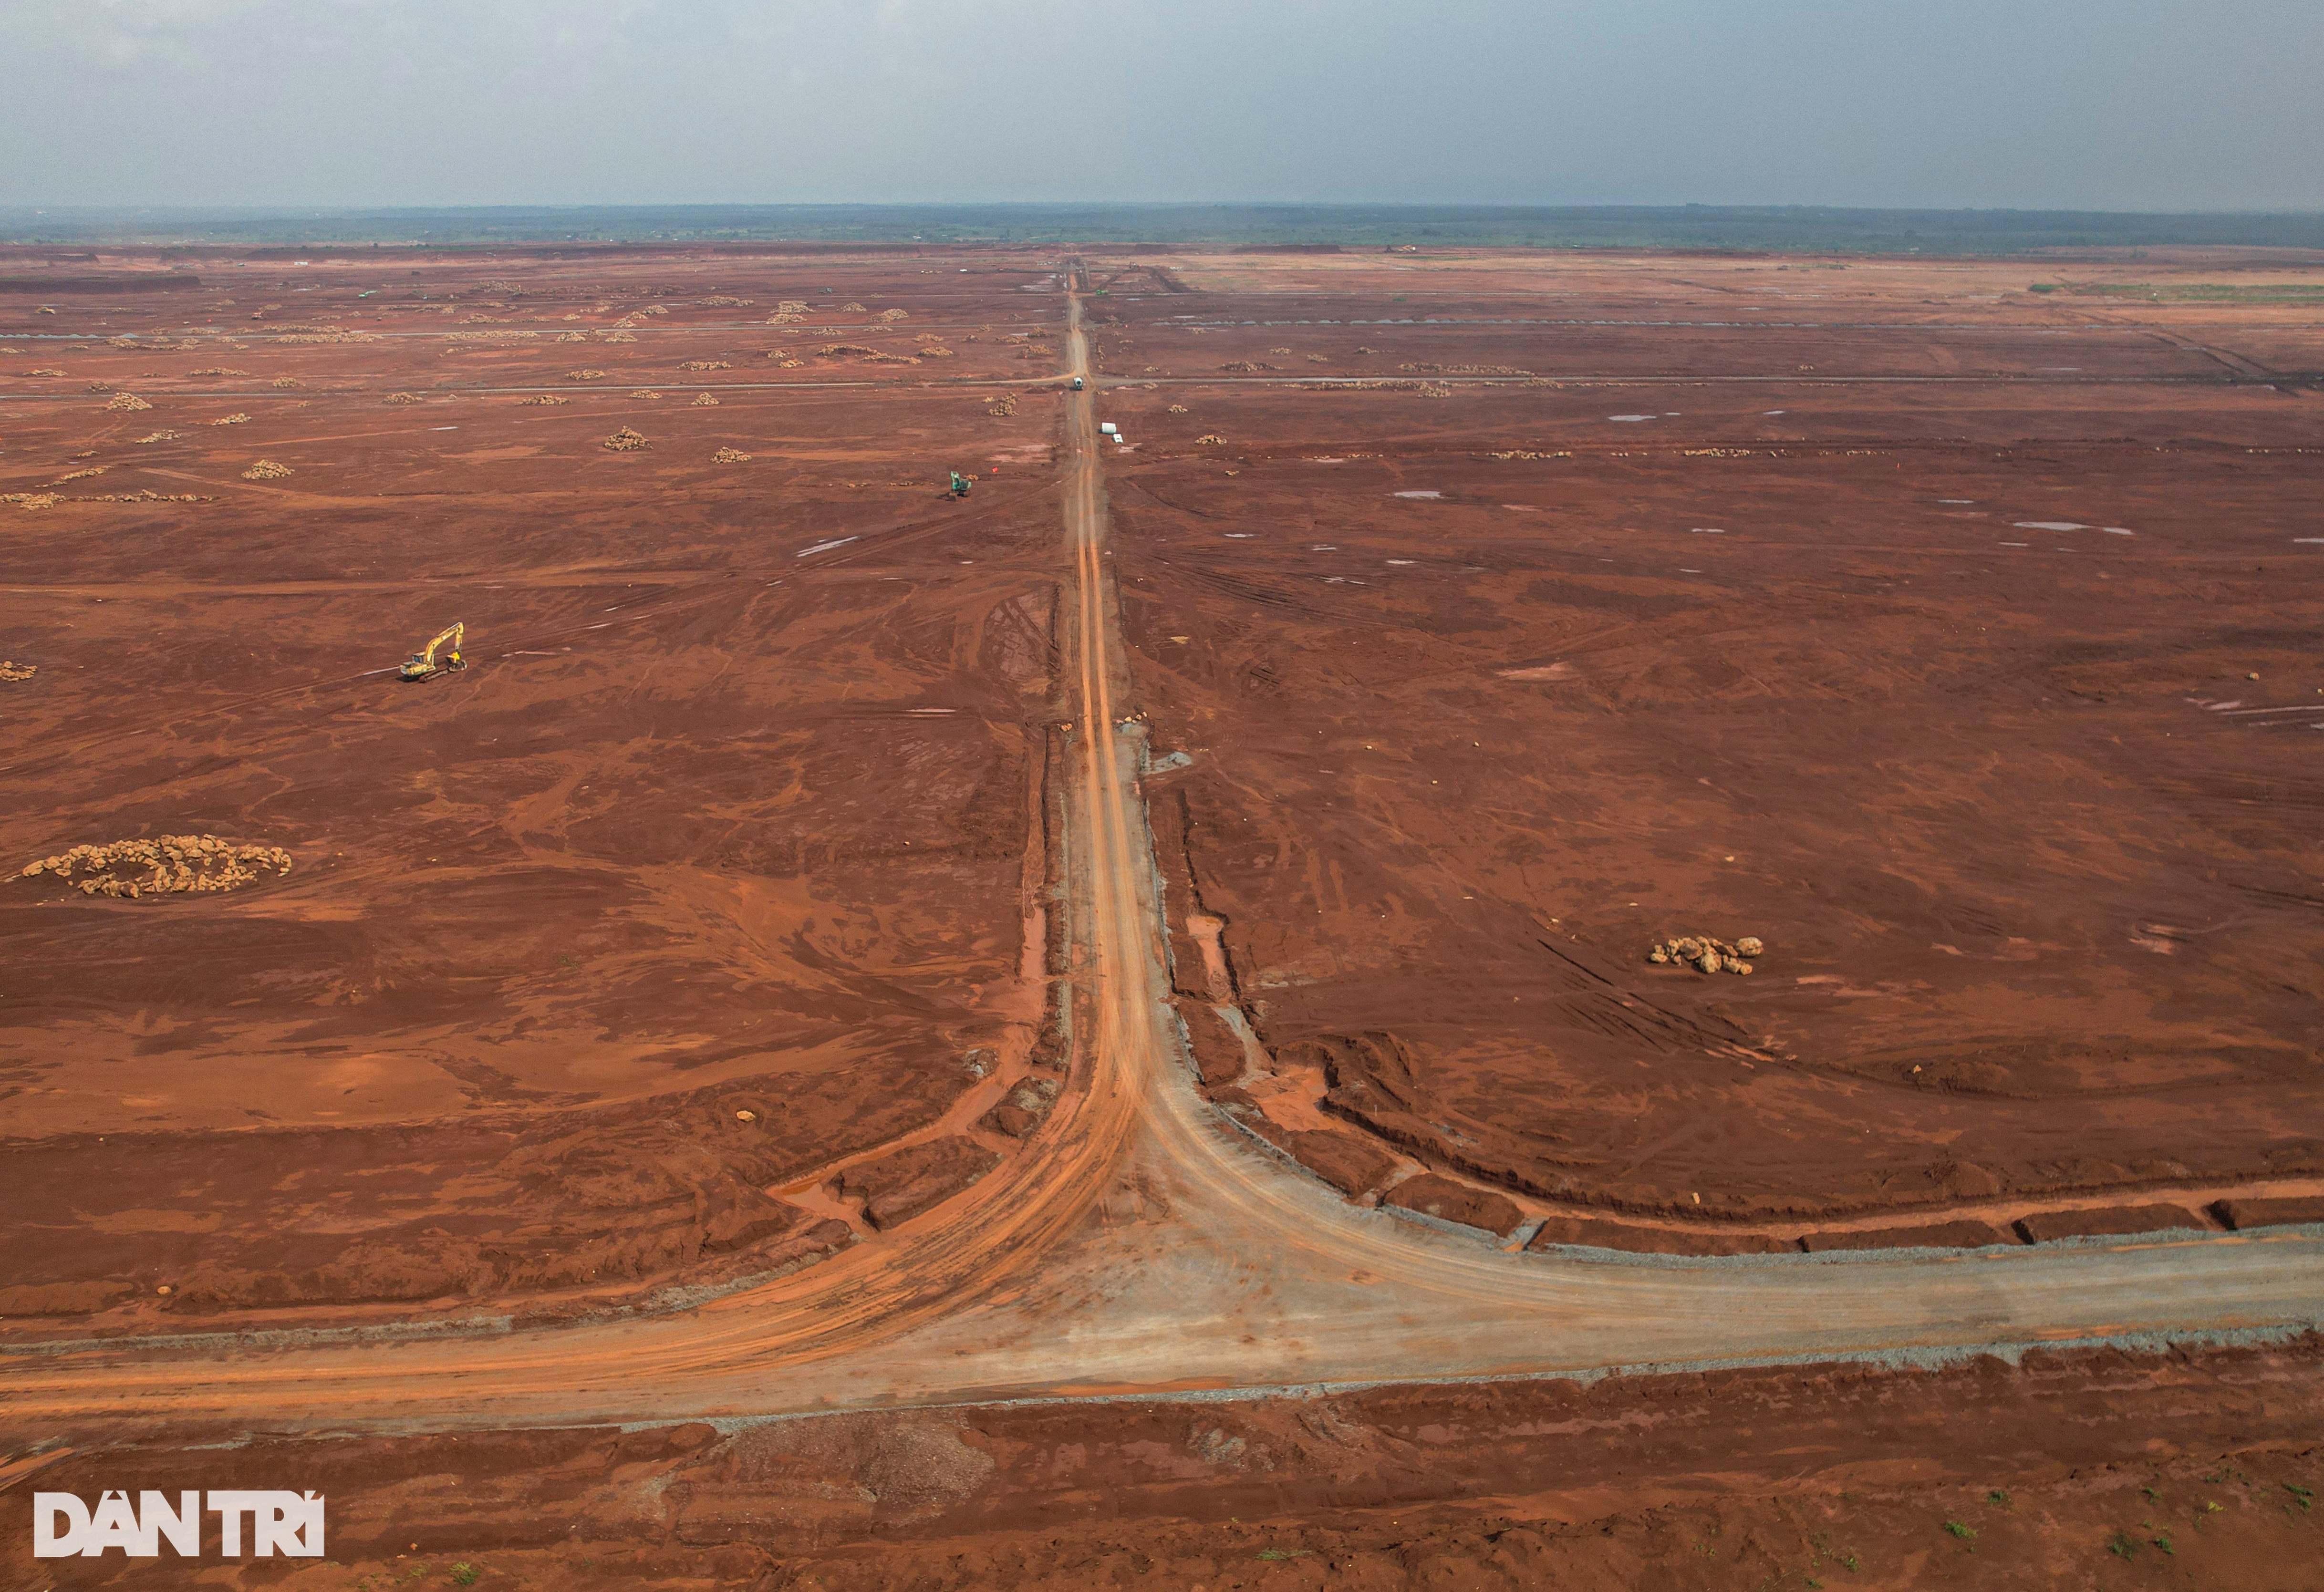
(709, 909)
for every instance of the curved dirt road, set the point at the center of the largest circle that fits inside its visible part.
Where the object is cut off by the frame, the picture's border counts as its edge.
(1142, 1245)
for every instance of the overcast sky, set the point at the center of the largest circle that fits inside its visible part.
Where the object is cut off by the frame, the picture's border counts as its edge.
(2045, 104)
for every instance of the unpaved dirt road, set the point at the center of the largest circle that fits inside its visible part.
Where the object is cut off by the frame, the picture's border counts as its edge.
(1146, 1245)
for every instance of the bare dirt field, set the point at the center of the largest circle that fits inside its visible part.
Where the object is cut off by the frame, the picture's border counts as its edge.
(775, 976)
(731, 813)
(1953, 640)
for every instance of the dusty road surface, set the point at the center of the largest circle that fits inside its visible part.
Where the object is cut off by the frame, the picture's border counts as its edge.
(1130, 1035)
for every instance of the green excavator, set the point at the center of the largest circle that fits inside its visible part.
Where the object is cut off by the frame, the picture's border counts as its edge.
(961, 483)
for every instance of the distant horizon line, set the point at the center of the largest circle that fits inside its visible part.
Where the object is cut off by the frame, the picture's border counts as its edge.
(287, 207)
(1314, 225)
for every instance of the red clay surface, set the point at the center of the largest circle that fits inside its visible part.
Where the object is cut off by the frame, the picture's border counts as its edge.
(2082, 1469)
(1952, 639)
(714, 823)
(703, 929)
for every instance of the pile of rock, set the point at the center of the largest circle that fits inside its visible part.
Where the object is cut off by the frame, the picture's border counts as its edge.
(705, 401)
(703, 364)
(401, 397)
(546, 398)
(626, 441)
(730, 455)
(585, 375)
(17, 671)
(266, 470)
(128, 400)
(1707, 955)
(169, 865)
(1004, 405)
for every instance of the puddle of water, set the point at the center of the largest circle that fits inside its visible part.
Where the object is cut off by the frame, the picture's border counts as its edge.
(1420, 494)
(1237, 536)
(2047, 525)
(823, 546)
(1629, 416)
(1958, 502)
(2117, 530)
(1402, 562)
(1704, 530)
(1546, 671)
(2017, 544)
(1774, 411)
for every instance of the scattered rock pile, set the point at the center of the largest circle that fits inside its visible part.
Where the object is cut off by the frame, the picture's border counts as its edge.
(170, 865)
(545, 397)
(585, 375)
(31, 499)
(626, 441)
(892, 315)
(730, 455)
(721, 301)
(17, 671)
(284, 382)
(645, 392)
(1177, 408)
(130, 400)
(1707, 955)
(232, 420)
(160, 437)
(853, 308)
(266, 470)
(703, 364)
(219, 369)
(1210, 436)
(1001, 407)
(402, 398)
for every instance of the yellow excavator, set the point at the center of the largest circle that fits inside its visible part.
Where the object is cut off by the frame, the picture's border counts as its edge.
(427, 666)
